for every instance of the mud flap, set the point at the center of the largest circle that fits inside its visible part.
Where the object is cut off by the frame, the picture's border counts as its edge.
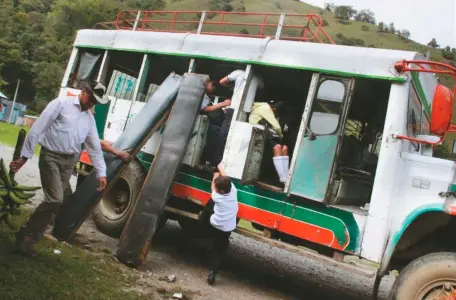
(135, 240)
(86, 197)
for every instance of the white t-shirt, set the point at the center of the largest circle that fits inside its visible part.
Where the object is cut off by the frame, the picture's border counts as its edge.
(225, 210)
(206, 101)
(256, 83)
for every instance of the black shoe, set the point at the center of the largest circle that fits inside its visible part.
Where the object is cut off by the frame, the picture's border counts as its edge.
(211, 278)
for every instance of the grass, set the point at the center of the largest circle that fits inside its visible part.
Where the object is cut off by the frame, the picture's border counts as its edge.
(74, 274)
(9, 133)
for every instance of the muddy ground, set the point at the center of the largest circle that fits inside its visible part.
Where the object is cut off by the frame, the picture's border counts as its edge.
(250, 270)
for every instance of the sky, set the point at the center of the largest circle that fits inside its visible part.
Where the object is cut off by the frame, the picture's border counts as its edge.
(425, 19)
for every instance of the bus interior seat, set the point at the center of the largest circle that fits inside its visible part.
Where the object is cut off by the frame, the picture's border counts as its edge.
(354, 186)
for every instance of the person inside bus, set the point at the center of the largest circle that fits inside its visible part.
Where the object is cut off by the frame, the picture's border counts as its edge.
(234, 80)
(266, 114)
(216, 137)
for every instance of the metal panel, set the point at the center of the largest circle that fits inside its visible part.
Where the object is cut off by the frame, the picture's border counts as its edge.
(346, 60)
(316, 158)
(254, 159)
(302, 128)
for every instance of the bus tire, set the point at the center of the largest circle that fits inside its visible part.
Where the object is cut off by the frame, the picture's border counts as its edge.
(111, 214)
(431, 273)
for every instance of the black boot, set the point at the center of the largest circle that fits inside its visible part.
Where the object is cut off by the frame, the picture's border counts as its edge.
(211, 278)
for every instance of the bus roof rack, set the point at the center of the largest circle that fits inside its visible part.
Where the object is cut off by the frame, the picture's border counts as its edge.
(294, 27)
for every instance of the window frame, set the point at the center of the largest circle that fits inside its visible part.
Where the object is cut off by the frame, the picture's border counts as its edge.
(316, 101)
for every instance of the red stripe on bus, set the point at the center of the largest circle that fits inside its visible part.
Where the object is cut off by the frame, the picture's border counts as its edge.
(286, 225)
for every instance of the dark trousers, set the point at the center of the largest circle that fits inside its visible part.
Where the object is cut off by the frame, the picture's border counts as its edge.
(55, 173)
(220, 239)
(221, 242)
(216, 139)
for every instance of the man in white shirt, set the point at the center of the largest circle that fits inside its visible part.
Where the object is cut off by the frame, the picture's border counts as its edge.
(61, 129)
(223, 219)
(255, 92)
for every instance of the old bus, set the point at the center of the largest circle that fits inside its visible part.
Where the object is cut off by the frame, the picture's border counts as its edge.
(362, 181)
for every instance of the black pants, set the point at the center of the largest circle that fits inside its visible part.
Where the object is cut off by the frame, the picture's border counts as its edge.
(216, 139)
(220, 239)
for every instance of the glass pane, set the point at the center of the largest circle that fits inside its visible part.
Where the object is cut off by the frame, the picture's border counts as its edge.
(326, 110)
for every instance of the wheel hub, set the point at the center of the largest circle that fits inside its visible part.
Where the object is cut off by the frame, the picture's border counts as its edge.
(441, 289)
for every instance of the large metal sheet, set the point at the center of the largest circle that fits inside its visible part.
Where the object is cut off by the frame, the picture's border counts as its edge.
(136, 237)
(86, 197)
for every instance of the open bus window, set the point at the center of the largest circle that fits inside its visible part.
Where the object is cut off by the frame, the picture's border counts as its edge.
(86, 67)
(327, 107)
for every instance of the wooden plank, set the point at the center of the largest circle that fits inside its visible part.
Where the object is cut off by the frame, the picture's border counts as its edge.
(308, 253)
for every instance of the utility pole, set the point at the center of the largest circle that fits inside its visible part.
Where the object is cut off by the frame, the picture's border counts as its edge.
(14, 100)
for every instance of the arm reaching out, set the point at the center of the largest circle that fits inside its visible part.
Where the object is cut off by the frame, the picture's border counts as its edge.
(216, 175)
(221, 170)
(107, 147)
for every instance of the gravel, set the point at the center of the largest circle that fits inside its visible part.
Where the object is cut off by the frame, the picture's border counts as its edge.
(251, 269)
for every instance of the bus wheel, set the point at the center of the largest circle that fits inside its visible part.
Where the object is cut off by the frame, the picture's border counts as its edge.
(111, 214)
(432, 276)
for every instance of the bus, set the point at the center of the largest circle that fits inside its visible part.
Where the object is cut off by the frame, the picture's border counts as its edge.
(363, 180)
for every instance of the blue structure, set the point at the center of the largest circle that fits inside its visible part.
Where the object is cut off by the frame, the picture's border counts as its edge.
(19, 109)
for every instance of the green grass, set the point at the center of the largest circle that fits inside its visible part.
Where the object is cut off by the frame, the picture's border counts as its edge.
(74, 274)
(9, 133)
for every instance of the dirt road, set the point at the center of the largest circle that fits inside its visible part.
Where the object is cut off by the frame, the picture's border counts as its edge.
(251, 269)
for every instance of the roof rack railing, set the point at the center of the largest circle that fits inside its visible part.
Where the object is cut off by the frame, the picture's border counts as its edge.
(295, 27)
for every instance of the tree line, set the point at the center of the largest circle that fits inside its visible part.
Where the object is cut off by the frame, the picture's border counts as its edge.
(345, 13)
(36, 38)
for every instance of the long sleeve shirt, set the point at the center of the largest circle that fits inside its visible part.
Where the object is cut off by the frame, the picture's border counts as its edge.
(62, 127)
(264, 111)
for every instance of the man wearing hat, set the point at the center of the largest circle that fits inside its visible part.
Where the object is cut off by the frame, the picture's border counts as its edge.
(61, 129)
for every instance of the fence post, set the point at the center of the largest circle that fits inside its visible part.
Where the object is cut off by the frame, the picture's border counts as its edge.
(137, 20)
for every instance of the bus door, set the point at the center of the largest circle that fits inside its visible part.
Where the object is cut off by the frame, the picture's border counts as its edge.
(120, 90)
(318, 143)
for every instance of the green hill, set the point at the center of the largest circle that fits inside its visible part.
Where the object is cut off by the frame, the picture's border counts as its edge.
(351, 32)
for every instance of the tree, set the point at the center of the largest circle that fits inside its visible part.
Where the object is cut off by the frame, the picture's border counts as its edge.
(433, 43)
(391, 28)
(449, 53)
(405, 34)
(330, 6)
(365, 15)
(381, 27)
(344, 12)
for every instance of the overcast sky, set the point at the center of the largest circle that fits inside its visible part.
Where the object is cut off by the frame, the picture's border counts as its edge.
(424, 19)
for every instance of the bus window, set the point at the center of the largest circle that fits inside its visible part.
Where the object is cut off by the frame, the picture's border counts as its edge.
(86, 66)
(327, 107)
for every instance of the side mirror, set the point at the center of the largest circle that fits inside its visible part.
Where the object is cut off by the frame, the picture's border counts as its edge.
(442, 109)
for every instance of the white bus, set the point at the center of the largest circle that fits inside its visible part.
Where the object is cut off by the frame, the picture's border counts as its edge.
(363, 180)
